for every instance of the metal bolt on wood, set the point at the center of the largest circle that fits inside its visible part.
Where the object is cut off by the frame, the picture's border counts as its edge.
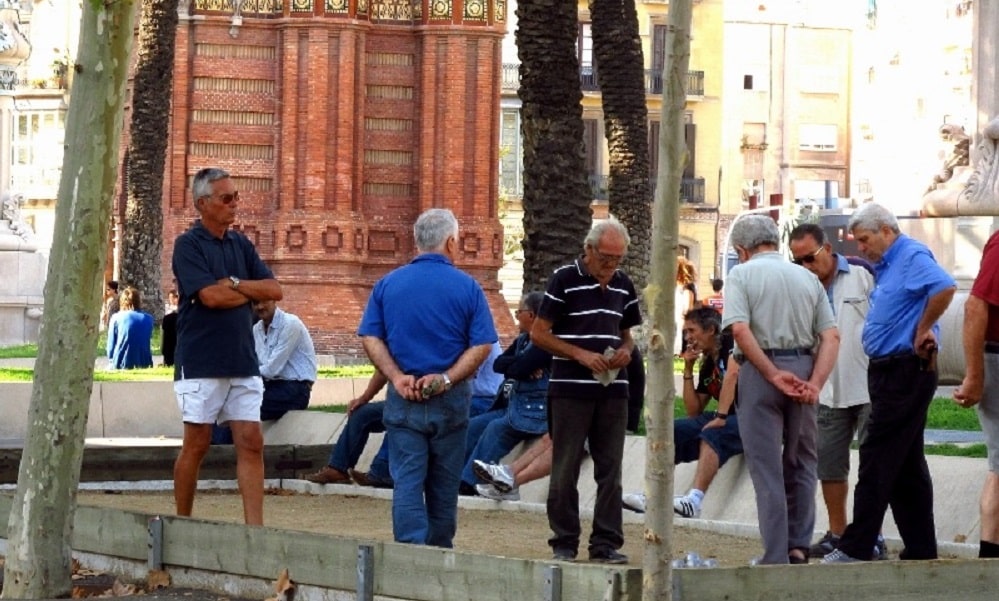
(365, 573)
(553, 583)
(155, 529)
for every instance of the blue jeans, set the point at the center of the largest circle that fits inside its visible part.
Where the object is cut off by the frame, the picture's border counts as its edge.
(365, 420)
(426, 448)
(480, 405)
(497, 438)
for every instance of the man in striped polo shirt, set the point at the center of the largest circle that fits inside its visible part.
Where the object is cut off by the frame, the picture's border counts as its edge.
(584, 321)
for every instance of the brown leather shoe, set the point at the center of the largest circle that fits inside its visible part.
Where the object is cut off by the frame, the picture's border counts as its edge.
(365, 479)
(328, 475)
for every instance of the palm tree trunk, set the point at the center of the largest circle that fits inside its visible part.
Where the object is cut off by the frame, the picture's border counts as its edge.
(142, 230)
(621, 75)
(39, 533)
(557, 196)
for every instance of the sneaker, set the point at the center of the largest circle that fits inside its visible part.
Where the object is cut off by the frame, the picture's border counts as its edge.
(366, 479)
(563, 554)
(608, 556)
(635, 501)
(500, 476)
(880, 549)
(328, 475)
(825, 545)
(686, 508)
(838, 556)
(489, 491)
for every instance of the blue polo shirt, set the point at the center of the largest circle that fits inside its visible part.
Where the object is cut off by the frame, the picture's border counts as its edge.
(428, 312)
(214, 343)
(905, 279)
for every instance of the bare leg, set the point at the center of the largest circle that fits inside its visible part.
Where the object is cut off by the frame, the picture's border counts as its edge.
(528, 456)
(834, 493)
(989, 505)
(707, 467)
(197, 438)
(249, 443)
(539, 467)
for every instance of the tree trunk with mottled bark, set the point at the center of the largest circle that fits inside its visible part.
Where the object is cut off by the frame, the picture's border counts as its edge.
(557, 194)
(40, 528)
(621, 74)
(142, 230)
(659, 472)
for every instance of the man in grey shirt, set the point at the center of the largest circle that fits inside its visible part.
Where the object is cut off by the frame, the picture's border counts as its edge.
(779, 314)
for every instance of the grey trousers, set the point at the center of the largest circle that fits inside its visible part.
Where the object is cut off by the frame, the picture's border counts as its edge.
(779, 441)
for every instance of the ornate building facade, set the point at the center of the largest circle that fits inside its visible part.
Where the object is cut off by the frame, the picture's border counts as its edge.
(341, 121)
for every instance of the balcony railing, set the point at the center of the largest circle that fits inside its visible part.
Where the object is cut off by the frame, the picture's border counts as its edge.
(691, 188)
(588, 80)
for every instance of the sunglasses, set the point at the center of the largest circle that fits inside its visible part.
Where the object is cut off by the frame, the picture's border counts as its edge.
(228, 198)
(807, 259)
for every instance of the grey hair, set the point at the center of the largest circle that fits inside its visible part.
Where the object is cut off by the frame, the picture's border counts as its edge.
(432, 229)
(872, 217)
(532, 301)
(602, 227)
(754, 230)
(203, 180)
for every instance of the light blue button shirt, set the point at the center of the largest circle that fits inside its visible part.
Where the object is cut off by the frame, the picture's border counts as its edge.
(285, 351)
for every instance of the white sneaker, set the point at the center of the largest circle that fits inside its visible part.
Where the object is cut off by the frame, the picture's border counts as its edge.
(635, 501)
(685, 507)
(489, 491)
(500, 476)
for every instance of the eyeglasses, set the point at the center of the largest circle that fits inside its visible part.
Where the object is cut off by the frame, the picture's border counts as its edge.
(606, 258)
(807, 259)
(519, 311)
(228, 198)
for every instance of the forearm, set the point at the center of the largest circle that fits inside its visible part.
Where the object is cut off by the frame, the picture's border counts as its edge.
(726, 398)
(751, 350)
(976, 319)
(548, 341)
(468, 362)
(935, 307)
(375, 384)
(380, 357)
(826, 359)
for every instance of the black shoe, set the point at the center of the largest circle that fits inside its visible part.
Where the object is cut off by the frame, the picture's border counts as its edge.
(562, 554)
(467, 490)
(608, 556)
(825, 545)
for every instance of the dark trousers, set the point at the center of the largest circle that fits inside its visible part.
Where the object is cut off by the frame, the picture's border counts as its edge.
(571, 423)
(282, 396)
(893, 471)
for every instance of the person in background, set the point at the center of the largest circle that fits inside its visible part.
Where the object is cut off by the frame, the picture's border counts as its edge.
(715, 300)
(779, 315)
(686, 298)
(130, 333)
(585, 322)
(427, 328)
(110, 305)
(168, 328)
(981, 384)
(900, 336)
(216, 375)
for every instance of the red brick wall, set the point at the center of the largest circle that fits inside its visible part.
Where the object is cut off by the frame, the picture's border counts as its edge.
(338, 134)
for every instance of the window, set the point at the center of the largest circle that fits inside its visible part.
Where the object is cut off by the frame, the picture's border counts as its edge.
(814, 137)
(587, 65)
(511, 154)
(36, 151)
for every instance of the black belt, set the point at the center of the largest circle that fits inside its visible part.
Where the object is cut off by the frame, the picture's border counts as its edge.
(886, 359)
(787, 352)
(992, 348)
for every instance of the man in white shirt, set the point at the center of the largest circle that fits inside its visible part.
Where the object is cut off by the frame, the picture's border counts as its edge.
(287, 360)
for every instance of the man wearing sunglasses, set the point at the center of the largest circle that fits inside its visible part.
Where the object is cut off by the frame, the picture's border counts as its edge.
(780, 315)
(844, 402)
(901, 337)
(216, 375)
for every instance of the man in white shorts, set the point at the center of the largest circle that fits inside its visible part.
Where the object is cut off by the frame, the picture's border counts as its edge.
(216, 377)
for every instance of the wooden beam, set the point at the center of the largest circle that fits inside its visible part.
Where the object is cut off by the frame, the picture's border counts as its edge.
(131, 464)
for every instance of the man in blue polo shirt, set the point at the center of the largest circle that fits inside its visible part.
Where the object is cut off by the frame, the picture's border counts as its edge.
(216, 377)
(585, 322)
(901, 337)
(427, 328)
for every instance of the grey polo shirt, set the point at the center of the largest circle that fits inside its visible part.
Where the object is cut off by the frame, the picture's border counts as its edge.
(784, 304)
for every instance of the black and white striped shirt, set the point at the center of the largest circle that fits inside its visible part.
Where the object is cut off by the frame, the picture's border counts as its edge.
(589, 316)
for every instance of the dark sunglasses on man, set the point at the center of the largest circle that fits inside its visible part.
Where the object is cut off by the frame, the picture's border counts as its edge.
(809, 258)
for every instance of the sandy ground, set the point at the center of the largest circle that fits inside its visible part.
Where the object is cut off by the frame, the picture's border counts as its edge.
(504, 533)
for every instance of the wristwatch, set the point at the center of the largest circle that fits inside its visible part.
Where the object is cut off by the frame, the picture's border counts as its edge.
(447, 382)
(235, 282)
